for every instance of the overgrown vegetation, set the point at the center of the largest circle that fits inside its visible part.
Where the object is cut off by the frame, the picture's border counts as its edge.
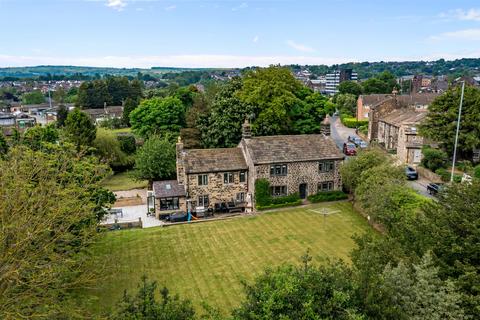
(327, 196)
(264, 200)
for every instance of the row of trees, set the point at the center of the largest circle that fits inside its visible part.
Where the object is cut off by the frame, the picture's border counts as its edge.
(384, 82)
(112, 91)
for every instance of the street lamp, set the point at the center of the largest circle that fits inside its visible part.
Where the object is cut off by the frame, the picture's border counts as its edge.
(456, 134)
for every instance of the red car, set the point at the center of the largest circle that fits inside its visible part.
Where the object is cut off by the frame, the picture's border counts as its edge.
(349, 149)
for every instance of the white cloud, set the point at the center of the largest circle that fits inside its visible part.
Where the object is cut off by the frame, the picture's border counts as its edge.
(471, 14)
(243, 5)
(466, 34)
(170, 8)
(116, 4)
(255, 39)
(299, 47)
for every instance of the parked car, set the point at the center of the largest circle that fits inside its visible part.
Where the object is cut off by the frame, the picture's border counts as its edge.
(363, 145)
(349, 149)
(411, 173)
(434, 188)
(177, 217)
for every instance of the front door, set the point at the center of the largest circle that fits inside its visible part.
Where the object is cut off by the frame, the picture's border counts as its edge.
(303, 190)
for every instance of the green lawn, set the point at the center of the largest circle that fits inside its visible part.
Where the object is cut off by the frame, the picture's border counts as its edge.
(122, 181)
(206, 261)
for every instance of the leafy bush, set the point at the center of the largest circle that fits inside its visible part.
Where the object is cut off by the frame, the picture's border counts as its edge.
(127, 143)
(363, 129)
(264, 200)
(353, 122)
(328, 196)
(476, 172)
(112, 123)
(262, 192)
(286, 199)
(280, 205)
(434, 159)
(445, 175)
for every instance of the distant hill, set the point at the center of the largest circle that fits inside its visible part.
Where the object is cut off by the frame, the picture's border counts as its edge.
(36, 71)
(454, 68)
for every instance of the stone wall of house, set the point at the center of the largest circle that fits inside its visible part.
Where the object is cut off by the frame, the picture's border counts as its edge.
(299, 173)
(409, 145)
(216, 190)
(182, 203)
(375, 115)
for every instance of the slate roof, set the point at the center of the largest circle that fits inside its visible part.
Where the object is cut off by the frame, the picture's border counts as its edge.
(168, 189)
(214, 160)
(408, 100)
(370, 99)
(404, 116)
(292, 148)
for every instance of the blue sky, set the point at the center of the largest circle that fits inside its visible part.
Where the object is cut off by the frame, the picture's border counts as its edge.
(197, 33)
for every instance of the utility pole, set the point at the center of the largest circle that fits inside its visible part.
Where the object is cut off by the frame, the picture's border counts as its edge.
(456, 134)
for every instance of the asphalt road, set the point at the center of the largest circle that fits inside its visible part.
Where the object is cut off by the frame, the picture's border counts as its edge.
(340, 133)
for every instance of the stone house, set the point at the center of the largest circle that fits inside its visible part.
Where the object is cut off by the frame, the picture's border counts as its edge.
(303, 164)
(393, 102)
(365, 102)
(398, 132)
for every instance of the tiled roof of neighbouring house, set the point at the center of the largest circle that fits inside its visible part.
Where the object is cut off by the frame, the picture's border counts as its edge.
(168, 189)
(214, 160)
(292, 148)
(404, 116)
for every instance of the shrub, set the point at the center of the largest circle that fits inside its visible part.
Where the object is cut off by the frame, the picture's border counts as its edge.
(445, 175)
(328, 196)
(262, 192)
(280, 205)
(476, 172)
(127, 143)
(434, 159)
(353, 122)
(363, 129)
(286, 199)
(264, 200)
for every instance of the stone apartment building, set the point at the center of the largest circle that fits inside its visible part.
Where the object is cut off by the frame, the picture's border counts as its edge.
(303, 164)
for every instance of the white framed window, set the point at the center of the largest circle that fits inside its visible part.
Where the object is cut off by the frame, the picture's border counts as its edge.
(326, 166)
(203, 201)
(228, 178)
(325, 186)
(278, 170)
(278, 191)
(203, 179)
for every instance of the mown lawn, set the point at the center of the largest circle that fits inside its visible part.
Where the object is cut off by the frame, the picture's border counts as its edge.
(207, 261)
(122, 181)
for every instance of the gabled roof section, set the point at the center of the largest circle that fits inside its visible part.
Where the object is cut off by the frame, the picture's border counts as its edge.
(168, 189)
(292, 148)
(404, 116)
(214, 160)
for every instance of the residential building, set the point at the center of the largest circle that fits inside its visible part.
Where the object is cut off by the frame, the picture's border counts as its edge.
(334, 79)
(365, 102)
(101, 114)
(393, 124)
(303, 164)
(398, 132)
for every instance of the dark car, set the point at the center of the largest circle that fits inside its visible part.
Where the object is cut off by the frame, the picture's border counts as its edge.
(411, 173)
(177, 217)
(349, 149)
(434, 188)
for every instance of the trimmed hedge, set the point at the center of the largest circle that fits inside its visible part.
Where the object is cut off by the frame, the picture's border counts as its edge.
(353, 122)
(328, 196)
(280, 205)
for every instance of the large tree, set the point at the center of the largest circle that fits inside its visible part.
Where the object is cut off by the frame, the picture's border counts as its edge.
(79, 128)
(34, 97)
(155, 160)
(350, 87)
(221, 126)
(441, 121)
(384, 82)
(157, 116)
(346, 104)
(48, 220)
(272, 92)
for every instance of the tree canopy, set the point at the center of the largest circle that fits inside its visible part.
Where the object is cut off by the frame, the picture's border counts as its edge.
(79, 128)
(155, 160)
(441, 120)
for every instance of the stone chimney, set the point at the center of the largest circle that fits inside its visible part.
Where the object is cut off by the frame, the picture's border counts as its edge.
(325, 126)
(246, 130)
(180, 154)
